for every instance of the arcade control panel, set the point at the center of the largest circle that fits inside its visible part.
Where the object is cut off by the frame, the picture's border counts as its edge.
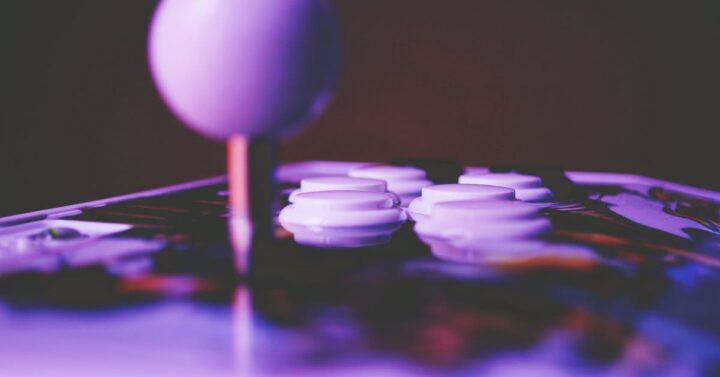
(427, 262)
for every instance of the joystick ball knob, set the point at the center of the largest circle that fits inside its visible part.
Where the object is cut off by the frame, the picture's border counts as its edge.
(244, 67)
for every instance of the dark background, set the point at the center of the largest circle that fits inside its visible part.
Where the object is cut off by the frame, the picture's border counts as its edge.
(613, 86)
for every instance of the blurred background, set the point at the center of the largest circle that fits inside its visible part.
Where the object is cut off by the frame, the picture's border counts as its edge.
(610, 86)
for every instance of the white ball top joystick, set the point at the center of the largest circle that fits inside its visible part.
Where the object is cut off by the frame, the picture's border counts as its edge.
(245, 71)
(250, 67)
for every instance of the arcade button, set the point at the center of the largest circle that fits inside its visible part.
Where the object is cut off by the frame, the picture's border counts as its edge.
(512, 180)
(342, 209)
(343, 218)
(436, 170)
(422, 206)
(338, 183)
(293, 173)
(474, 211)
(388, 172)
(476, 170)
(553, 177)
(483, 221)
(527, 187)
(405, 181)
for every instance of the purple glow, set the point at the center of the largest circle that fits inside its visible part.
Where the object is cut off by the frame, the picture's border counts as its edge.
(243, 67)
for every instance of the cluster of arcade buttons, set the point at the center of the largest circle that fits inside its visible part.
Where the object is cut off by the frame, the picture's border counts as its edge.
(375, 200)
(481, 209)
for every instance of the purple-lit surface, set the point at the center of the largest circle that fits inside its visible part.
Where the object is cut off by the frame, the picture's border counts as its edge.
(244, 67)
(557, 307)
(182, 338)
(175, 338)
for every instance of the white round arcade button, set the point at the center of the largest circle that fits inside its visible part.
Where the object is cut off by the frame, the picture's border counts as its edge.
(528, 188)
(401, 180)
(495, 231)
(490, 231)
(345, 199)
(335, 183)
(455, 192)
(483, 221)
(449, 192)
(388, 172)
(478, 211)
(342, 209)
(512, 180)
(342, 183)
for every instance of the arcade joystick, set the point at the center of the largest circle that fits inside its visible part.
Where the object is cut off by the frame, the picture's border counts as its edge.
(246, 72)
